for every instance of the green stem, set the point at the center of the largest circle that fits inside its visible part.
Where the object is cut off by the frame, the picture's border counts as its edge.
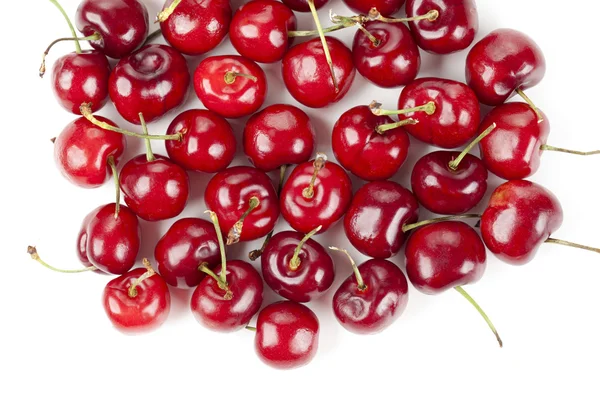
(416, 225)
(234, 234)
(132, 291)
(251, 328)
(571, 244)
(531, 104)
(313, 10)
(166, 13)
(318, 164)
(42, 69)
(428, 108)
(71, 27)
(149, 154)
(359, 280)
(230, 77)
(466, 295)
(32, 251)
(430, 16)
(381, 129)
(295, 261)
(454, 163)
(332, 28)
(376, 42)
(546, 147)
(113, 167)
(215, 221)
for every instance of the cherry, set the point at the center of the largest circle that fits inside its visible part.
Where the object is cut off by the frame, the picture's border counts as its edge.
(317, 193)
(304, 5)
(259, 30)
(195, 27)
(138, 301)
(245, 202)
(230, 295)
(280, 134)
(363, 149)
(287, 335)
(231, 86)
(122, 25)
(385, 7)
(375, 219)
(208, 143)
(82, 239)
(189, 243)
(372, 298)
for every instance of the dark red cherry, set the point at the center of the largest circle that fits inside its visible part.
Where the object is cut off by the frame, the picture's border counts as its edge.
(385, 7)
(391, 62)
(442, 189)
(376, 216)
(123, 25)
(280, 134)
(363, 149)
(208, 143)
(82, 152)
(287, 335)
(307, 75)
(151, 81)
(231, 86)
(503, 62)
(317, 193)
(259, 30)
(196, 27)
(302, 5)
(82, 239)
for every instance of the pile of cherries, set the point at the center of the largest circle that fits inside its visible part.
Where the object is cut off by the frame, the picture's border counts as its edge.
(243, 203)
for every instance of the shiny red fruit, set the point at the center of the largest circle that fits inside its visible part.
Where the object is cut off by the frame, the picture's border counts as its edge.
(302, 5)
(82, 239)
(387, 8)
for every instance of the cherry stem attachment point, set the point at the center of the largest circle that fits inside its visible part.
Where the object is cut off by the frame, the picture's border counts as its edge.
(571, 244)
(132, 291)
(318, 165)
(361, 283)
(521, 93)
(234, 234)
(381, 129)
(42, 71)
(32, 251)
(376, 42)
(149, 154)
(375, 15)
(546, 147)
(230, 77)
(454, 163)
(466, 295)
(428, 108)
(416, 225)
(295, 261)
(113, 167)
(166, 13)
(313, 10)
(71, 27)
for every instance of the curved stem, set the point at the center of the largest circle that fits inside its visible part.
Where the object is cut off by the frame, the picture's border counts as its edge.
(361, 283)
(531, 104)
(152, 36)
(222, 278)
(466, 295)
(32, 251)
(428, 108)
(332, 28)
(295, 261)
(166, 13)
(318, 165)
(113, 166)
(431, 16)
(313, 10)
(149, 154)
(381, 129)
(71, 27)
(454, 163)
(416, 225)
(234, 234)
(571, 244)
(546, 147)
(42, 71)
(132, 291)
(230, 77)
(376, 42)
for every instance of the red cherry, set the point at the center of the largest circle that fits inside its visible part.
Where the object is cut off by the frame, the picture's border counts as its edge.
(280, 134)
(302, 5)
(82, 239)
(287, 335)
(365, 151)
(385, 7)
(208, 143)
(231, 86)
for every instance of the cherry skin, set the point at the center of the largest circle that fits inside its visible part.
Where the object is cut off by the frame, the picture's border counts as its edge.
(196, 27)
(81, 78)
(502, 62)
(82, 151)
(365, 152)
(123, 25)
(385, 7)
(447, 191)
(453, 30)
(259, 30)
(151, 81)
(302, 5)
(287, 335)
(188, 243)
(219, 310)
(394, 61)
(144, 310)
(456, 118)
(519, 218)
(513, 150)
(155, 190)
(278, 135)
(307, 76)
(82, 239)
(208, 144)
(374, 221)
(228, 94)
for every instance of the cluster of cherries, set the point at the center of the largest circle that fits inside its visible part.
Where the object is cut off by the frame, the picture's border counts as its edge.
(443, 253)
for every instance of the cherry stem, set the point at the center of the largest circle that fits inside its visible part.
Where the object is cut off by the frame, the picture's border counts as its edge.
(381, 129)
(32, 251)
(251, 328)
(410, 227)
(358, 21)
(113, 167)
(428, 108)
(42, 70)
(230, 77)
(431, 16)
(222, 278)
(152, 36)
(546, 147)
(295, 261)
(149, 154)
(313, 10)
(361, 283)
(571, 244)
(376, 42)
(234, 234)
(318, 165)
(166, 13)
(316, 32)
(71, 27)
(454, 163)
(531, 104)
(487, 319)
(132, 291)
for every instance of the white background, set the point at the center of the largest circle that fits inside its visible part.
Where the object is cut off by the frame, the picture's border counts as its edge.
(57, 342)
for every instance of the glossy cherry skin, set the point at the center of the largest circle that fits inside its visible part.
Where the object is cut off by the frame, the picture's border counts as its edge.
(453, 30)
(214, 310)
(385, 7)
(228, 194)
(188, 243)
(113, 243)
(196, 27)
(374, 221)
(313, 277)
(259, 30)
(237, 99)
(442, 190)
(82, 149)
(394, 62)
(208, 144)
(154, 190)
(82, 239)
(308, 78)
(302, 5)
(151, 81)
(142, 313)
(287, 335)
(456, 118)
(513, 150)
(332, 196)
(278, 135)
(519, 218)
(371, 310)
(123, 25)
(360, 149)
(502, 62)
(444, 255)
(81, 78)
